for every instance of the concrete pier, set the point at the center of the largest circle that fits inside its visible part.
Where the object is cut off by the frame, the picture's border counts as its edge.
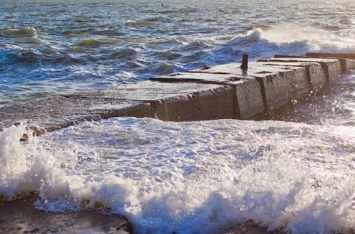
(264, 90)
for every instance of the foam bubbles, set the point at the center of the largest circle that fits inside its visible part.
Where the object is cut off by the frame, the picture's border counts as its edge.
(29, 166)
(190, 177)
(305, 37)
(13, 160)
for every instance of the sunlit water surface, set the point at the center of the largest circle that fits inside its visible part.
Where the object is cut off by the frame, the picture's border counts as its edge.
(55, 47)
(191, 177)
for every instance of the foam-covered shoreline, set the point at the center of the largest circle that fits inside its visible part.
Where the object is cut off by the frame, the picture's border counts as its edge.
(21, 216)
(263, 91)
(59, 181)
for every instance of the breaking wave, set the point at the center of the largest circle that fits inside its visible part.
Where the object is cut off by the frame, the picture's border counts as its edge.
(190, 177)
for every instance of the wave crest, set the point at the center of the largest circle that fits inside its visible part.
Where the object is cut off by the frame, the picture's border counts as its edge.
(90, 43)
(28, 32)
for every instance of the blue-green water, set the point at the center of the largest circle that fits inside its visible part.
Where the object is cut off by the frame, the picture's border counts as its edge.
(52, 47)
(195, 177)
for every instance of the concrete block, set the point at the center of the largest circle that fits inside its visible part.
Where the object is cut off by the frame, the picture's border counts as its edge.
(315, 73)
(274, 86)
(248, 101)
(213, 103)
(347, 64)
(331, 55)
(275, 92)
(347, 60)
(332, 67)
(234, 69)
(224, 91)
(62, 111)
(179, 101)
(317, 77)
(298, 84)
(167, 101)
(297, 77)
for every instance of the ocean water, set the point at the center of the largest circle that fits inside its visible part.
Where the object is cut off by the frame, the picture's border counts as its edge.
(185, 177)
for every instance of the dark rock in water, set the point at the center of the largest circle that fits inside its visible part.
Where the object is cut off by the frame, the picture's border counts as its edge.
(20, 216)
(250, 228)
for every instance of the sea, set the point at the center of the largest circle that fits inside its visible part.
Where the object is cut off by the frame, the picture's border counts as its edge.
(295, 174)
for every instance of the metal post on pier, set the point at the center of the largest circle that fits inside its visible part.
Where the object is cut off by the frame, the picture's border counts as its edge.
(244, 65)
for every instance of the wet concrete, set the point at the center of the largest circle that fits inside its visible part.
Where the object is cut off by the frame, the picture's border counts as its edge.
(332, 67)
(266, 90)
(306, 82)
(62, 111)
(183, 101)
(244, 91)
(163, 100)
(21, 216)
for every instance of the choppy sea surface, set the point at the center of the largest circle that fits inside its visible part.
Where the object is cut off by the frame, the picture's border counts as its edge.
(296, 175)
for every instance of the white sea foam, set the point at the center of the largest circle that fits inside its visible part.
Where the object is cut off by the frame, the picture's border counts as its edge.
(190, 177)
(308, 37)
(146, 39)
(186, 177)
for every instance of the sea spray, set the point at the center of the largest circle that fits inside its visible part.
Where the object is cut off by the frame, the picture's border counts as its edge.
(13, 158)
(197, 177)
(29, 167)
(44, 48)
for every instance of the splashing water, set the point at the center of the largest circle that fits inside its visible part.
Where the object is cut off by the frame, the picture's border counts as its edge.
(190, 177)
(49, 49)
(195, 177)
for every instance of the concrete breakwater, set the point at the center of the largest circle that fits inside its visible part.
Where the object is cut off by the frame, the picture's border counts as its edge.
(263, 91)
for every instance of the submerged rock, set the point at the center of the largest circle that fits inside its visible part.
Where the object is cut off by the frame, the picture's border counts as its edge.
(21, 216)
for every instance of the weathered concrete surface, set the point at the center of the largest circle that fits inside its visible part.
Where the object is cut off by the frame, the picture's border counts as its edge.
(347, 60)
(273, 87)
(166, 101)
(247, 100)
(183, 101)
(297, 77)
(20, 216)
(223, 91)
(256, 101)
(264, 90)
(314, 76)
(59, 112)
(331, 55)
(332, 67)
(275, 94)
(347, 65)
(216, 103)
(305, 77)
